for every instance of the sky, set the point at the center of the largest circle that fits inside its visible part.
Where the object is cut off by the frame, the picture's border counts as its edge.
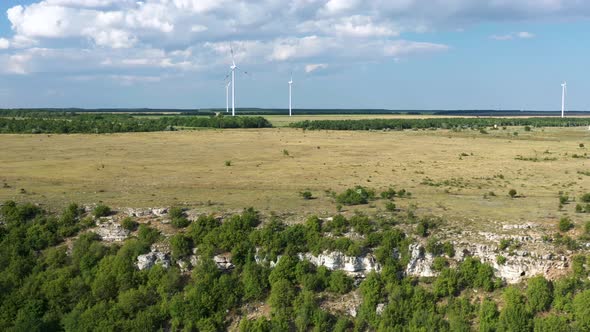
(392, 54)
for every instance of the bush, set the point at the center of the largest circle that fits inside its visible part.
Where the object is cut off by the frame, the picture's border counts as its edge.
(355, 196)
(102, 211)
(563, 199)
(527, 128)
(439, 263)
(307, 195)
(504, 244)
(565, 224)
(585, 198)
(227, 163)
(449, 249)
(500, 259)
(512, 193)
(129, 224)
(178, 217)
(539, 294)
(340, 283)
(388, 194)
(180, 246)
(390, 206)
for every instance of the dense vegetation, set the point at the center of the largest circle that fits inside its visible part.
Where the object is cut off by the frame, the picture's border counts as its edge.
(47, 284)
(19, 122)
(436, 123)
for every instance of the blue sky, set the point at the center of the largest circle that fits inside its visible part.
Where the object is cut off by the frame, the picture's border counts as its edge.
(395, 54)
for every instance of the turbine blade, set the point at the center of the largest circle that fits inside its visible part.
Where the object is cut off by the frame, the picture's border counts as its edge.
(231, 49)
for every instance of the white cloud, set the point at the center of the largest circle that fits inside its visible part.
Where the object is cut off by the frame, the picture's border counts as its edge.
(514, 35)
(315, 67)
(400, 48)
(4, 43)
(502, 37)
(525, 35)
(195, 34)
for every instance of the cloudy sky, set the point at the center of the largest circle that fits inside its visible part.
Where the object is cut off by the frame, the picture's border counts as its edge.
(395, 54)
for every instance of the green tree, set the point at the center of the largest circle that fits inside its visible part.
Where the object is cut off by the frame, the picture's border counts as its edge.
(539, 294)
(581, 308)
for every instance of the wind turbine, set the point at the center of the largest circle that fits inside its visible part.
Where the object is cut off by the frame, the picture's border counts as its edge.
(233, 82)
(290, 86)
(227, 97)
(563, 94)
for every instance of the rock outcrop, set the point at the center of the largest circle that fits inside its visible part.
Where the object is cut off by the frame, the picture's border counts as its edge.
(520, 265)
(355, 266)
(111, 231)
(420, 264)
(150, 212)
(153, 258)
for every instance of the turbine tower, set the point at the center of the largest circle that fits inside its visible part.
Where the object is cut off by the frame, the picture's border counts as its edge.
(233, 82)
(290, 86)
(227, 97)
(563, 93)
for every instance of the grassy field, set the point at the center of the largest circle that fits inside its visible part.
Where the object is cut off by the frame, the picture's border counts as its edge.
(447, 172)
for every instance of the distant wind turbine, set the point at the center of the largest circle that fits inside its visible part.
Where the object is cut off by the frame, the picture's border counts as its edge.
(233, 82)
(233, 68)
(290, 86)
(227, 97)
(563, 94)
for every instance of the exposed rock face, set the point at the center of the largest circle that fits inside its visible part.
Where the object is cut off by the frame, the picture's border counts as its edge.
(420, 264)
(150, 259)
(519, 266)
(380, 308)
(223, 261)
(157, 212)
(111, 231)
(338, 261)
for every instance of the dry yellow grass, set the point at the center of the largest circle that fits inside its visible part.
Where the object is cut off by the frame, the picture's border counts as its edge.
(188, 167)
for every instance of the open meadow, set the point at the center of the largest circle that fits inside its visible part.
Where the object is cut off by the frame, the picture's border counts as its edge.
(465, 175)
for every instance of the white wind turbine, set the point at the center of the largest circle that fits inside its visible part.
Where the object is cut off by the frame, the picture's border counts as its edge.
(233, 82)
(290, 87)
(227, 97)
(563, 94)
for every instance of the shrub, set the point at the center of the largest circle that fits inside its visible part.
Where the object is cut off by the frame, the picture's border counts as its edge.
(180, 246)
(581, 145)
(500, 259)
(388, 194)
(585, 198)
(539, 294)
(307, 195)
(439, 263)
(449, 249)
(102, 211)
(512, 193)
(505, 243)
(565, 224)
(227, 163)
(129, 224)
(587, 228)
(390, 206)
(340, 283)
(355, 196)
(563, 199)
(434, 247)
(527, 128)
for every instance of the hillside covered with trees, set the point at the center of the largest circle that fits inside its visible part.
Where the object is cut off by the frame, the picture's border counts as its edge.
(56, 275)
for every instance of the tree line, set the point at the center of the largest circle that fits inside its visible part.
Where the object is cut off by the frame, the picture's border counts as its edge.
(437, 123)
(21, 122)
(57, 276)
